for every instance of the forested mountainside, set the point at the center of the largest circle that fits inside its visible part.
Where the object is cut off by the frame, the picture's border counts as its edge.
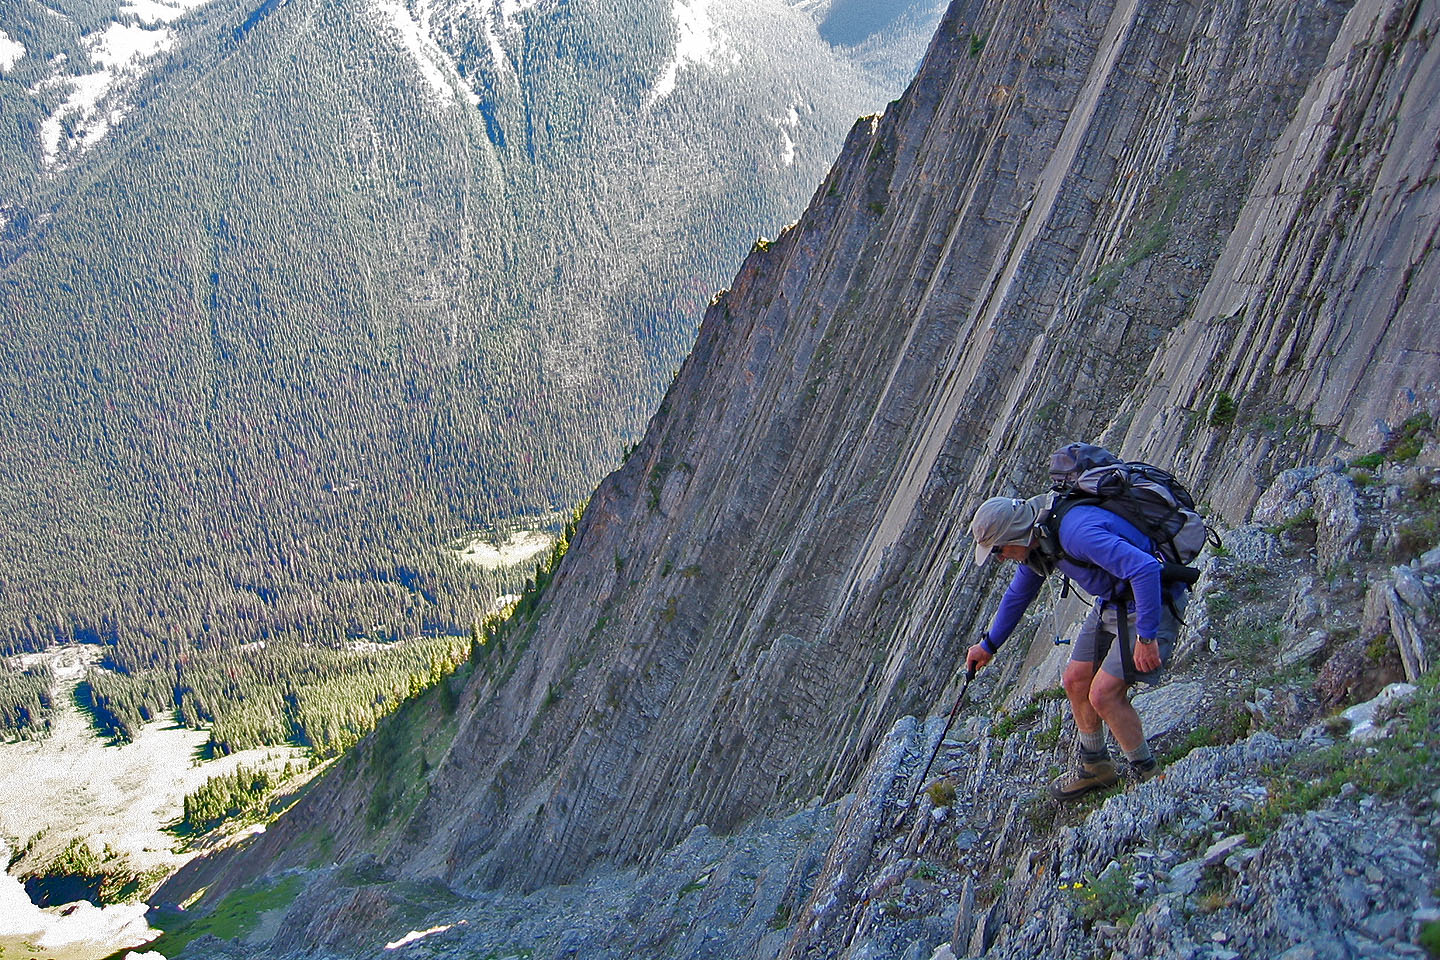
(1198, 233)
(300, 294)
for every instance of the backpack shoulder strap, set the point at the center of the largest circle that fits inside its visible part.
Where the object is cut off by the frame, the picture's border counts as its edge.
(1048, 551)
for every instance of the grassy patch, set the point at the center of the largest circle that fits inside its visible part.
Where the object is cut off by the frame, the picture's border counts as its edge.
(699, 883)
(233, 917)
(1404, 764)
(1417, 527)
(1407, 441)
(1223, 410)
(1250, 645)
(1050, 736)
(1430, 938)
(1369, 461)
(1305, 518)
(1011, 721)
(1150, 235)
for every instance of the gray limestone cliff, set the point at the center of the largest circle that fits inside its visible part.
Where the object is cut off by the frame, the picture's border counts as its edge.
(1202, 233)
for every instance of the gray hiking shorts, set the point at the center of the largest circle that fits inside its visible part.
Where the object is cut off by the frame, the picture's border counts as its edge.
(1096, 640)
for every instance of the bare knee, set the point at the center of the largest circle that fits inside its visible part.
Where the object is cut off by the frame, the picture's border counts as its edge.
(1076, 680)
(1105, 692)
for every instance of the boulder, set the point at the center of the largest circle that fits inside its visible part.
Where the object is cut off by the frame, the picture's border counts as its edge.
(1363, 728)
(1171, 707)
(1288, 497)
(1337, 521)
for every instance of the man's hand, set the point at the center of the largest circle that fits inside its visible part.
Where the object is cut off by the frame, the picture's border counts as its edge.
(976, 657)
(1147, 656)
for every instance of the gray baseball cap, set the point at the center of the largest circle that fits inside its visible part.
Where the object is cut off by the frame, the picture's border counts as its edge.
(1001, 521)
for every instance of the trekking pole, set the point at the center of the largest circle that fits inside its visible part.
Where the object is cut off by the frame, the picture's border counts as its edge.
(954, 712)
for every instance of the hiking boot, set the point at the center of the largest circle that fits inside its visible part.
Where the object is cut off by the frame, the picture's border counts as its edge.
(1091, 775)
(1146, 770)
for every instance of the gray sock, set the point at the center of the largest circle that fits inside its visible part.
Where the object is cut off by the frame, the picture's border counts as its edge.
(1141, 755)
(1092, 745)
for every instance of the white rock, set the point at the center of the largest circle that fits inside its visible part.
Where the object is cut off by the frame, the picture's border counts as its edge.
(1362, 716)
(1221, 849)
(1302, 651)
(1167, 708)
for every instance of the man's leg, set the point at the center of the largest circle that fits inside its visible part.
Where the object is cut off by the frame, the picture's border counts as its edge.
(1109, 691)
(1077, 679)
(1096, 769)
(1091, 644)
(1109, 702)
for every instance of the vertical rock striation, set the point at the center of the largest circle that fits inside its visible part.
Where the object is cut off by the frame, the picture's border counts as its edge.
(1074, 209)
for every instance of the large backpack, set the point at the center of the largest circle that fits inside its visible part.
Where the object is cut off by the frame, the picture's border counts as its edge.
(1151, 499)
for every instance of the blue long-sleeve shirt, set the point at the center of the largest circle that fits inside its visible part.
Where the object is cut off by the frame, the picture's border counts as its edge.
(1113, 555)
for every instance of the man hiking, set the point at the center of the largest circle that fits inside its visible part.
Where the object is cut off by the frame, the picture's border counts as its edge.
(1109, 558)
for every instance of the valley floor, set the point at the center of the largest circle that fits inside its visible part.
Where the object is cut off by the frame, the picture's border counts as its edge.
(76, 784)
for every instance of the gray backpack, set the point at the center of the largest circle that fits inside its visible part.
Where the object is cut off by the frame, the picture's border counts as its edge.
(1151, 499)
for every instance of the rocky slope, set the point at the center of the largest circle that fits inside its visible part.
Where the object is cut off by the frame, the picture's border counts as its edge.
(1274, 831)
(1200, 233)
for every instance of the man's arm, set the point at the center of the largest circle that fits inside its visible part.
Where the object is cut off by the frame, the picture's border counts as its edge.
(1023, 589)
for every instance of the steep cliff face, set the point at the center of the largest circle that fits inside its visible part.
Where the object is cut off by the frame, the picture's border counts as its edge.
(1081, 220)
(1075, 209)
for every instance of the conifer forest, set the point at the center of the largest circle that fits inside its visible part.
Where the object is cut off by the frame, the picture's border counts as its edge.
(300, 304)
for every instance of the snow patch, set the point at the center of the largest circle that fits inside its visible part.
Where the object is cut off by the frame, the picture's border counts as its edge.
(79, 124)
(510, 9)
(429, 58)
(787, 148)
(114, 927)
(414, 935)
(517, 548)
(121, 45)
(10, 52)
(701, 42)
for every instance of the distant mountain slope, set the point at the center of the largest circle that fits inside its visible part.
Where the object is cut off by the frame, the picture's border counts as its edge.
(296, 292)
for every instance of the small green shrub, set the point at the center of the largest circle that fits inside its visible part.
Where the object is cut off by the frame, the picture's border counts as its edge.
(1011, 721)
(1408, 441)
(1416, 535)
(1363, 478)
(1223, 409)
(1108, 898)
(1376, 648)
(1050, 737)
(1369, 461)
(1430, 938)
(1227, 731)
(941, 793)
